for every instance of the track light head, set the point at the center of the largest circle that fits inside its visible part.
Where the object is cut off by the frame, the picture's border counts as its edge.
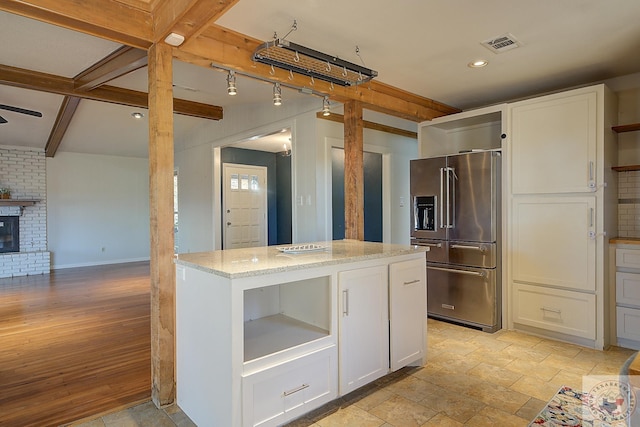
(326, 108)
(277, 94)
(231, 83)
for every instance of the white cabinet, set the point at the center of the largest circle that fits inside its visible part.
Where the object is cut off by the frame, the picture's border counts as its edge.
(554, 144)
(407, 308)
(552, 242)
(562, 205)
(263, 338)
(241, 344)
(364, 329)
(480, 129)
(628, 321)
(628, 296)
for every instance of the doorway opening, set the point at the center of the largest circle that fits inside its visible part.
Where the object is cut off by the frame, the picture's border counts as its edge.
(273, 152)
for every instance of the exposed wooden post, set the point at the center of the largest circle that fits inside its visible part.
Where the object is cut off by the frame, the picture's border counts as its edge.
(161, 217)
(353, 171)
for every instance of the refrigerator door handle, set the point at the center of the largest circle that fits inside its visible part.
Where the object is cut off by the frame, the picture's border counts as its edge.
(442, 200)
(450, 191)
(452, 203)
(448, 197)
(453, 270)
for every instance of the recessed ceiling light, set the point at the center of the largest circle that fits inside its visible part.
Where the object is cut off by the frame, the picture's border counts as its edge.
(137, 115)
(478, 63)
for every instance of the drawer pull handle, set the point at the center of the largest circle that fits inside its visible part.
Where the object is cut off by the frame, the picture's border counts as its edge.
(452, 270)
(411, 282)
(551, 310)
(431, 245)
(475, 248)
(295, 390)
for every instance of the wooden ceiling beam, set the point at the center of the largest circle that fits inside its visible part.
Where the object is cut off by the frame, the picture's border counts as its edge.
(43, 82)
(65, 114)
(110, 20)
(231, 50)
(120, 62)
(208, 43)
(339, 118)
(187, 17)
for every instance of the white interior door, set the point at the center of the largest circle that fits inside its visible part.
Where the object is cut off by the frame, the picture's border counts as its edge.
(244, 206)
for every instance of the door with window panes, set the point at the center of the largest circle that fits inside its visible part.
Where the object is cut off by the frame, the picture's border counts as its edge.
(244, 206)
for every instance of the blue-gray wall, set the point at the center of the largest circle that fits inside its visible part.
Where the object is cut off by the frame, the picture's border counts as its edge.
(278, 188)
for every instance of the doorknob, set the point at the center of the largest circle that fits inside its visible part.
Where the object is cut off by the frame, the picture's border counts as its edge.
(228, 224)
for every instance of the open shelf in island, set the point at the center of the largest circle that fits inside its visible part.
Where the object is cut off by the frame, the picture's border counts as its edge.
(275, 333)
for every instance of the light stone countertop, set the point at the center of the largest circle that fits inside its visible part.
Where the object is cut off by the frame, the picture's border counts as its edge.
(249, 262)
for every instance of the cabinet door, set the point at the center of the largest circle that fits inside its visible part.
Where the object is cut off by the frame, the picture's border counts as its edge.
(553, 241)
(553, 144)
(407, 312)
(364, 328)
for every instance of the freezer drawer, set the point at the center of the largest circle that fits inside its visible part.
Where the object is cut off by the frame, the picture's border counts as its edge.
(437, 249)
(466, 295)
(473, 254)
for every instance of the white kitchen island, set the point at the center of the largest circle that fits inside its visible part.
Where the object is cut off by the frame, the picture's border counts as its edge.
(264, 335)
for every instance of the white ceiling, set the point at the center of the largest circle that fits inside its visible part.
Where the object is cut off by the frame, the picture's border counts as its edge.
(419, 46)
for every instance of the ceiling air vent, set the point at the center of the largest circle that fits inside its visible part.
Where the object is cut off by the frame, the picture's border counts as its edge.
(501, 43)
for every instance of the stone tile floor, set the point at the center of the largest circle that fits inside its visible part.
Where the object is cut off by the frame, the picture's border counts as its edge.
(471, 379)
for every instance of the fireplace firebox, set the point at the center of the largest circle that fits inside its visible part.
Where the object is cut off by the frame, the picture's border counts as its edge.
(9, 234)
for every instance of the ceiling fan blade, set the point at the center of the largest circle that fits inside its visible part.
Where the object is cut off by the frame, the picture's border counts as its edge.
(20, 110)
(3, 120)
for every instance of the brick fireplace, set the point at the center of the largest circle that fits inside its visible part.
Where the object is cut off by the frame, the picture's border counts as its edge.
(24, 172)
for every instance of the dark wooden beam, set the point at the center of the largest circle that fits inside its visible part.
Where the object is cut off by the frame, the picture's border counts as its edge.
(34, 80)
(162, 269)
(353, 171)
(339, 118)
(120, 62)
(65, 114)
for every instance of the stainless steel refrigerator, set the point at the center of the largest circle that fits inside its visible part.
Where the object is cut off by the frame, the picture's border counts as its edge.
(456, 212)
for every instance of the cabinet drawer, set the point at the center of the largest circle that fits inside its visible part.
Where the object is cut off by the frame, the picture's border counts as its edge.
(567, 312)
(286, 391)
(628, 288)
(628, 320)
(629, 258)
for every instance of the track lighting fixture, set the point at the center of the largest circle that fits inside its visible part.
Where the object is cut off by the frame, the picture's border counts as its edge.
(231, 83)
(277, 94)
(326, 109)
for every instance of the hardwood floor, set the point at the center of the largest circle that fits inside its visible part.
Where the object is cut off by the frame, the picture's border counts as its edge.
(74, 343)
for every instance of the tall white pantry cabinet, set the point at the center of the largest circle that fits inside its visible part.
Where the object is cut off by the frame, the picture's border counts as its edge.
(562, 209)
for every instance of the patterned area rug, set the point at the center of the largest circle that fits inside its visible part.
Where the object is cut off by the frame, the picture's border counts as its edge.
(575, 408)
